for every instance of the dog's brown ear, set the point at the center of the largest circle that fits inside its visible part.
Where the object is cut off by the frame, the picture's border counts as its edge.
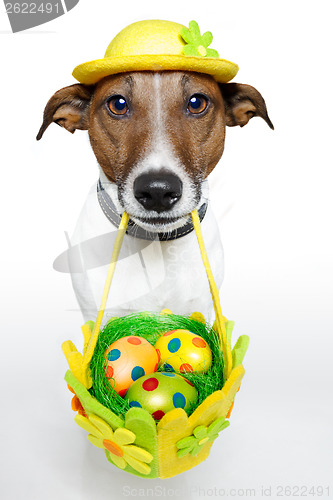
(243, 102)
(69, 108)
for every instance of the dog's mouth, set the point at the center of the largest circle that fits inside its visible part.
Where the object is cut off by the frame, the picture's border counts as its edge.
(157, 211)
(160, 223)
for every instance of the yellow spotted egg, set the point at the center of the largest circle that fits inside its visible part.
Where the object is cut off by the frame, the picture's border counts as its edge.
(183, 351)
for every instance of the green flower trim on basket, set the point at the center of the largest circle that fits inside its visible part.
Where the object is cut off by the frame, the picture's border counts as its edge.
(201, 435)
(197, 45)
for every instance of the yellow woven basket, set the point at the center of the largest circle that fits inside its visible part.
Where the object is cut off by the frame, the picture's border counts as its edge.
(134, 442)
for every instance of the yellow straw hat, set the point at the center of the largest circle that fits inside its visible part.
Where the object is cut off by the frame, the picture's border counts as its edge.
(157, 46)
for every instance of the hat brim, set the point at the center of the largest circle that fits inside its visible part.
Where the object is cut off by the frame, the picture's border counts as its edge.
(91, 72)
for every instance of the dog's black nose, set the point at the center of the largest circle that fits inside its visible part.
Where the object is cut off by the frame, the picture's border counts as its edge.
(158, 191)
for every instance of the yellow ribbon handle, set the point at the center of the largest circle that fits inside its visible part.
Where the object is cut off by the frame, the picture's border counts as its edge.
(115, 254)
(221, 330)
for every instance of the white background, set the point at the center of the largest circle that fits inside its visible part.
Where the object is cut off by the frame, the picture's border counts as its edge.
(272, 193)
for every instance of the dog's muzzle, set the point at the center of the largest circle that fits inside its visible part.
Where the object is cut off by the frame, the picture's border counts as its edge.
(111, 213)
(158, 191)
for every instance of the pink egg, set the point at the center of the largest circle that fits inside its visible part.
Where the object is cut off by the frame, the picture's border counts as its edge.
(128, 359)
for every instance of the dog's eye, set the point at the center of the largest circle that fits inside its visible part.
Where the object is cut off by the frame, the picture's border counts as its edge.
(197, 104)
(118, 105)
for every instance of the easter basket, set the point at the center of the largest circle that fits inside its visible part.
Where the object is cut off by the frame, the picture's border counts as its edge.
(134, 437)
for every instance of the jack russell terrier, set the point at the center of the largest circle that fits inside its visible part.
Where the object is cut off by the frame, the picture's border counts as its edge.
(156, 136)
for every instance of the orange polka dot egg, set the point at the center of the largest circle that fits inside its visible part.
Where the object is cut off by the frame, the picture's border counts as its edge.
(128, 359)
(183, 351)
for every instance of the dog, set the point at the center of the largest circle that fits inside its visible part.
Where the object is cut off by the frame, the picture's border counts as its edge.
(156, 135)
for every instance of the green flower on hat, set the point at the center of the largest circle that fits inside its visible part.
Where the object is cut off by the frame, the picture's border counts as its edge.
(201, 435)
(197, 45)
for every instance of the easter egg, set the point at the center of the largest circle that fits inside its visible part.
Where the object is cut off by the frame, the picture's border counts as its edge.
(184, 351)
(127, 359)
(161, 392)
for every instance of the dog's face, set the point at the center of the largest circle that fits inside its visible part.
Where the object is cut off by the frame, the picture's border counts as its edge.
(157, 135)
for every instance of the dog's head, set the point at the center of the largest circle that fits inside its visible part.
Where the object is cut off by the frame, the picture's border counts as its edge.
(156, 135)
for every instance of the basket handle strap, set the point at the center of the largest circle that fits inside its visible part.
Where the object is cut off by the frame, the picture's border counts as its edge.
(212, 285)
(115, 254)
(220, 324)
